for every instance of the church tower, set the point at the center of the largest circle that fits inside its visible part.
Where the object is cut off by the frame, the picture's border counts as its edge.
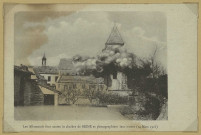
(44, 60)
(115, 39)
(116, 80)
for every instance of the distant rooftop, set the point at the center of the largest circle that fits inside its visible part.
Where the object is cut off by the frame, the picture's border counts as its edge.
(66, 67)
(74, 79)
(23, 69)
(48, 87)
(115, 38)
(65, 64)
(45, 70)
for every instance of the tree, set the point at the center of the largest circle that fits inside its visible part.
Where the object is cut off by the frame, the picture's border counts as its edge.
(71, 94)
(90, 92)
(155, 68)
(75, 94)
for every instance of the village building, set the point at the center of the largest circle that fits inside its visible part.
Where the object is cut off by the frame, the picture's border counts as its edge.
(80, 83)
(28, 91)
(66, 67)
(69, 79)
(22, 80)
(48, 73)
(50, 94)
(117, 80)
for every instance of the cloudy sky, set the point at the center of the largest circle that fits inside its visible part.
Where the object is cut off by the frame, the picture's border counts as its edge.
(65, 34)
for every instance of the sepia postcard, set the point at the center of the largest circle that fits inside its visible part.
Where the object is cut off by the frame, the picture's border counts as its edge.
(100, 67)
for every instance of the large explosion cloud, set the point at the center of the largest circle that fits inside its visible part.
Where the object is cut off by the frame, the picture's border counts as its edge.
(117, 56)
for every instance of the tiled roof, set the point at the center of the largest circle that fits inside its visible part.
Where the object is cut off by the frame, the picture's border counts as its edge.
(48, 87)
(66, 67)
(87, 79)
(65, 64)
(23, 69)
(115, 38)
(46, 70)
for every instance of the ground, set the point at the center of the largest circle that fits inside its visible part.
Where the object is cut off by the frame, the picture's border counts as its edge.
(67, 113)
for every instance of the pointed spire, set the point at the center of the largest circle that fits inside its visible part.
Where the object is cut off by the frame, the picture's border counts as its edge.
(44, 56)
(44, 60)
(115, 37)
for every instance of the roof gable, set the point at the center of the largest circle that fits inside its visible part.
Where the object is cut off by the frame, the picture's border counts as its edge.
(65, 64)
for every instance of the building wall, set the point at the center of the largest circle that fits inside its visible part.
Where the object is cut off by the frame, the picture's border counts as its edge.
(46, 91)
(17, 81)
(122, 81)
(119, 82)
(26, 91)
(33, 76)
(32, 94)
(78, 86)
(52, 76)
(56, 98)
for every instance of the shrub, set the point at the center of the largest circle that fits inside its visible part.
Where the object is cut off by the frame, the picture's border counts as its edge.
(126, 110)
(111, 98)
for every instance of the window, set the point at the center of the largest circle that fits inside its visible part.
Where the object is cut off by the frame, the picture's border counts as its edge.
(49, 78)
(56, 77)
(114, 75)
(54, 86)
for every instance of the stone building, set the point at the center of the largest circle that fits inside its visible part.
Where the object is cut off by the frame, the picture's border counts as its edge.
(26, 90)
(47, 79)
(69, 79)
(50, 94)
(81, 83)
(29, 91)
(48, 73)
(117, 80)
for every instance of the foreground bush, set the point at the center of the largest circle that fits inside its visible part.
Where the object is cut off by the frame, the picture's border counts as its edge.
(111, 98)
(143, 107)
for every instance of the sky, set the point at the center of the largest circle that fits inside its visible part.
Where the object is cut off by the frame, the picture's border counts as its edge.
(66, 34)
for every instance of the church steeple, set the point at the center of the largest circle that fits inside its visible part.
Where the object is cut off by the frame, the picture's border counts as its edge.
(44, 60)
(115, 38)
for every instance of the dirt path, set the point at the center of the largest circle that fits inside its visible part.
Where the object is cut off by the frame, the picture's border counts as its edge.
(66, 113)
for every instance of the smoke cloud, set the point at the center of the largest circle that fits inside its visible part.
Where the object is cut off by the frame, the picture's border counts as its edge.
(30, 32)
(117, 56)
